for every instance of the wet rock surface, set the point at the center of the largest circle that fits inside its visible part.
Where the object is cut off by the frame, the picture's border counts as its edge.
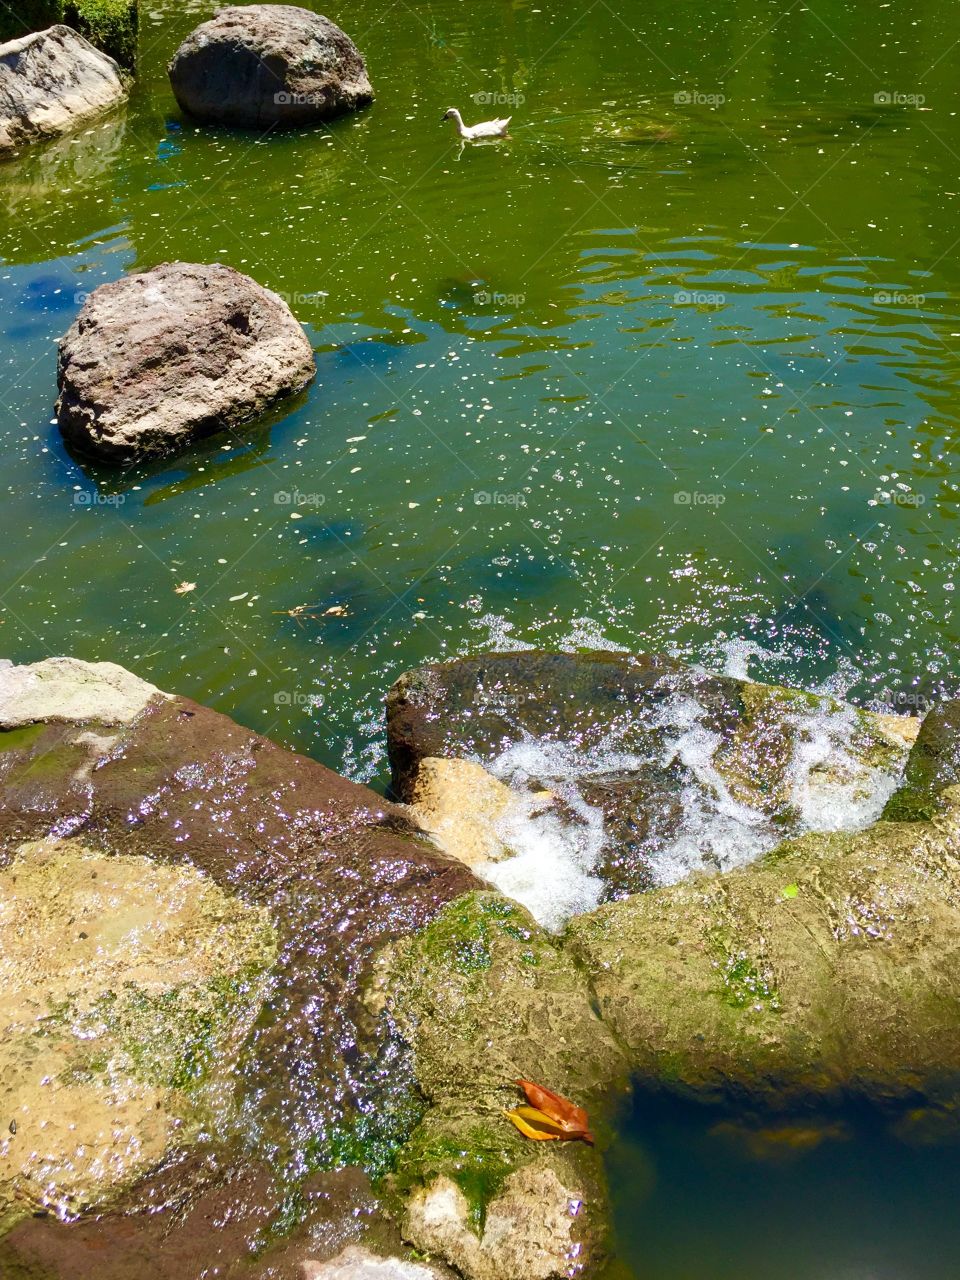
(126, 987)
(933, 766)
(466, 810)
(338, 872)
(164, 357)
(261, 66)
(683, 768)
(484, 996)
(51, 82)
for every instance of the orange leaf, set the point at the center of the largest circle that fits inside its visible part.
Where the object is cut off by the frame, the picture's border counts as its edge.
(572, 1119)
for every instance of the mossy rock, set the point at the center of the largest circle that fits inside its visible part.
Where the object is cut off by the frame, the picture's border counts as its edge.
(485, 997)
(932, 767)
(830, 964)
(126, 990)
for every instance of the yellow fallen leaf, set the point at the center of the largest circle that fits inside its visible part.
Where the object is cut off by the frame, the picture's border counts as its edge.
(182, 588)
(534, 1124)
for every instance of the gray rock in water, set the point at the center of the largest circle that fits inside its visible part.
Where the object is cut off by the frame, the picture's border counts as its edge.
(168, 356)
(263, 65)
(51, 82)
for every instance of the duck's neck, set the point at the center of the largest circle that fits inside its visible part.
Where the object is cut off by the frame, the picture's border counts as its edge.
(461, 127)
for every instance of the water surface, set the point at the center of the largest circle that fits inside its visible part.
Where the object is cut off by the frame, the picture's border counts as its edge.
(701, 1194)
(675, 366)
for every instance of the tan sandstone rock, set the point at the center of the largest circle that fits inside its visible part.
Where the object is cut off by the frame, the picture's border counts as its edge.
(465, 808)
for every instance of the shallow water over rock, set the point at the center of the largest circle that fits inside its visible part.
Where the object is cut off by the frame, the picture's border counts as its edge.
(655, 770)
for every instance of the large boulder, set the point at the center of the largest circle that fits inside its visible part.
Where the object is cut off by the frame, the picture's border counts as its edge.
(50, 83)
(167, 356)
(165, 800)
(262, 65)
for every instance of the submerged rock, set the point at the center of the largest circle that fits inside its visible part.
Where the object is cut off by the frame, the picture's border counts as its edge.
(263, 65)
(124, 985)
(337, 872)
(159, 359)
(50, 83)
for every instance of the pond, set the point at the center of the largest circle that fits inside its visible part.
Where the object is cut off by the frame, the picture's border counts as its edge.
(673, 367)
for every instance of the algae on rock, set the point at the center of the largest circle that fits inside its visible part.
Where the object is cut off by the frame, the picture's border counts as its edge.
(124, 986)
(485, 996)
(830, 963)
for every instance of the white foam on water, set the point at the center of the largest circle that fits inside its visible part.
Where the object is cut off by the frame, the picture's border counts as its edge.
(554, 870)
(717, 831)
(499, 638)
(829, 787)
(588, 633)
(552, 873)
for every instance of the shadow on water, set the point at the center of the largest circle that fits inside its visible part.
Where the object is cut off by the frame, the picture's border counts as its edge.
(838, 1193)
(223, 455)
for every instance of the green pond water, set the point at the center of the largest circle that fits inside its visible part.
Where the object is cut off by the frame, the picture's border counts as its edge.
(700, 1194)
(674, 366)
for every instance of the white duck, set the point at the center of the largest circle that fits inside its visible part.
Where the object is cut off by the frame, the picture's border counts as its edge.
(474, 132)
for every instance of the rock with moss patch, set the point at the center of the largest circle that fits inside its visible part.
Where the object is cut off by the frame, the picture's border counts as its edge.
(125, 986)
(829, 964)
(339, 872)
(109, 25)
(932, 767)
(527, 1233)
(485, 997)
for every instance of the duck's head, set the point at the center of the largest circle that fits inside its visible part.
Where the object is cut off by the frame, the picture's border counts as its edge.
(451, 113)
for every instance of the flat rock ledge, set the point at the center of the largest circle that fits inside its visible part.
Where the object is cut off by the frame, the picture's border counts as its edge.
(262, 66)
(70, 691)
(165, 357)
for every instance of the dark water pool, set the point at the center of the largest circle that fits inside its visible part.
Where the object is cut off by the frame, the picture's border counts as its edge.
(850, 1194)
